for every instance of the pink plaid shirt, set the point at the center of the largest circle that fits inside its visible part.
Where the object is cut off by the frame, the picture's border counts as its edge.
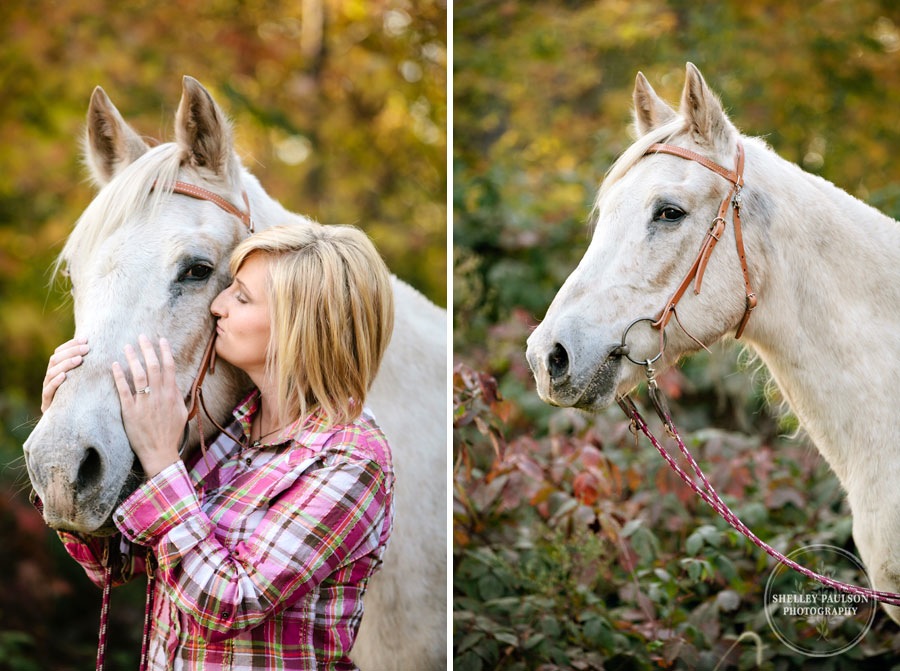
(263, 553)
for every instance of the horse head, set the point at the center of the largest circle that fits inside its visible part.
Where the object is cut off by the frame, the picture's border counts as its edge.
(652, 212)
(141, 259)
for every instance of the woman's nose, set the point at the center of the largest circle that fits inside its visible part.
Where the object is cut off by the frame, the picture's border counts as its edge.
(218, 306)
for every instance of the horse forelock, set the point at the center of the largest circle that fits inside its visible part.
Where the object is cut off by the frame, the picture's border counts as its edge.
(129, 194)
(630, 157)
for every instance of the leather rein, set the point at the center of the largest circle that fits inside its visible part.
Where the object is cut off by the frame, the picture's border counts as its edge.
(194, 402)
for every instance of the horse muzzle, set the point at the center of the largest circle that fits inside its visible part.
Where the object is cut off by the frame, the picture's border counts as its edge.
(567, 378)
(76, 477)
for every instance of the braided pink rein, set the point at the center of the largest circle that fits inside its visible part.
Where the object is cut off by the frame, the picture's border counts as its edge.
(708, 494)
(104, 610)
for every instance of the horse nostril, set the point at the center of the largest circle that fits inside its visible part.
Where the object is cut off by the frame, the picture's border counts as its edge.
(90, 470)
(558, 361)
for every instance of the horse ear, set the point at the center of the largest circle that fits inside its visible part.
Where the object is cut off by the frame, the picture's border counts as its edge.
(650, 111)
(110, 143)
(203, 131)
(702, 111)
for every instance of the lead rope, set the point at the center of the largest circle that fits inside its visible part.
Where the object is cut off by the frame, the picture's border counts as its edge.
(708, 493)
(148, 610)
(104, 609)
(104, 606)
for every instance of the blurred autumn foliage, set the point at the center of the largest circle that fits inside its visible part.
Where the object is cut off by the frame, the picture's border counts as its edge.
(339, 108)
(574, 546)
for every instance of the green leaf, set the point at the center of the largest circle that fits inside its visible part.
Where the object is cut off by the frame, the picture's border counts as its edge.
(697, 569)
(507, 637)
(550, 627)
(630, 527)
(645, 543)
(533, 641)
(469, 641)
(703, 535)
(726, 568)
(598, 632)
(489, 587)
(468, 661)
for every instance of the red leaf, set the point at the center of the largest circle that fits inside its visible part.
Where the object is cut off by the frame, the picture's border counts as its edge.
(586, 488)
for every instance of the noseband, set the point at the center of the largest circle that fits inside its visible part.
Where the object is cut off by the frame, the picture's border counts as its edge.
(713, 235)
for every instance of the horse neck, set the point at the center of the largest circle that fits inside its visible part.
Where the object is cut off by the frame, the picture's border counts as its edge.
(826, 325)
(265, 210)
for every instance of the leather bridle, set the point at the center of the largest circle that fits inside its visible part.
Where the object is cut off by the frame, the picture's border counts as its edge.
(198, 192)
(208, 361)
(713, 235)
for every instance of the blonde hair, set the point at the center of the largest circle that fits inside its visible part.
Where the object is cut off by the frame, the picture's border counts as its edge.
(331, 313)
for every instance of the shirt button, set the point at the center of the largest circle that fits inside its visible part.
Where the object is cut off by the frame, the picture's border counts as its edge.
(248, 461)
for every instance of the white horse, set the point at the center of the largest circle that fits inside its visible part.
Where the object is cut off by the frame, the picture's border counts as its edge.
(145, 260)
(825, 268)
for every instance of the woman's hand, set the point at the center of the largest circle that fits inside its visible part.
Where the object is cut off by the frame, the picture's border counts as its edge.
(67, 356)
(155, 414)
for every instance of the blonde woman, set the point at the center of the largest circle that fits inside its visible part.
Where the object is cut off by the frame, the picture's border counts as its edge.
(263, 548)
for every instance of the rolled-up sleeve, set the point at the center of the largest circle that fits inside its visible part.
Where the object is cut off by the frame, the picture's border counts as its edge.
(94, 553)
(165, 513)
(331, 514)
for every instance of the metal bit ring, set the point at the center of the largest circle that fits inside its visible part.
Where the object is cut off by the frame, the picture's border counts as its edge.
(626, 351)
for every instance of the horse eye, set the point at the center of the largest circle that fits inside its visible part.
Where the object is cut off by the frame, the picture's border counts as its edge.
(669, 214)
(197, 272)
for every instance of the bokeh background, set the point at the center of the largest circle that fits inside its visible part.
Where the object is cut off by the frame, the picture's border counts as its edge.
(574, 548)
(339, 108)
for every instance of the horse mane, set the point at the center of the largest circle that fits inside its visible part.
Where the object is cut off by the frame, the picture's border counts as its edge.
(631, 156)
(130, 192)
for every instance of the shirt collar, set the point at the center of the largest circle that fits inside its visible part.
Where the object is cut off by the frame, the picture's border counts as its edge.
(303, 430)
